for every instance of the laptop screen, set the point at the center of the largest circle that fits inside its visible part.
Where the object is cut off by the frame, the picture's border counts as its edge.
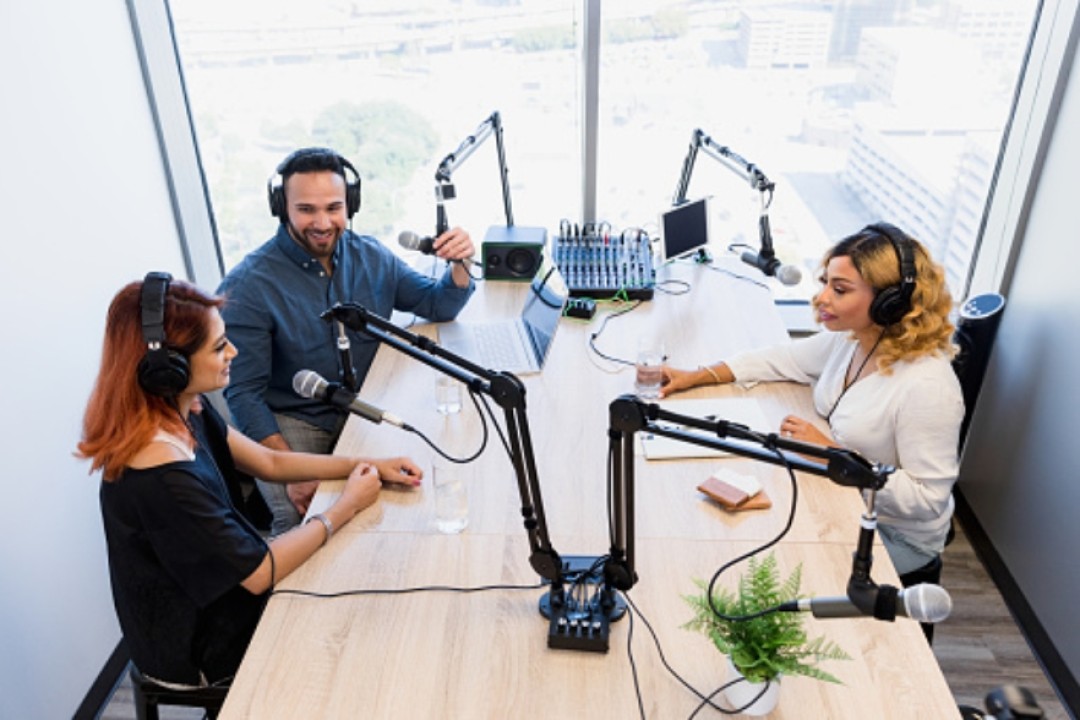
(544, 307)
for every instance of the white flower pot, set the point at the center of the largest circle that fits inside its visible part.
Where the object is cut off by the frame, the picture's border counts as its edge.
(742, 693)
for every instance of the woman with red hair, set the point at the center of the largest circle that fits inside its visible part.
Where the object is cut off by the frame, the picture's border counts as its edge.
(190, 573)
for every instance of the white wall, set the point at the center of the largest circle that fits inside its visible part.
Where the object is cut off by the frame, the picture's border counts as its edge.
(1019, 471)
(84, 208)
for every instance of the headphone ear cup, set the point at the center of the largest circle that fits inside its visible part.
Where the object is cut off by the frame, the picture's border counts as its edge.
(888, 307)
(352, 198)
(276, 197)
(164, 372)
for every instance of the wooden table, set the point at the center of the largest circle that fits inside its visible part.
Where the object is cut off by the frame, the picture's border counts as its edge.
(484, 654)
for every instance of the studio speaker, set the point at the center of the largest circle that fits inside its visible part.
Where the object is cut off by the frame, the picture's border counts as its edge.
(511, 260)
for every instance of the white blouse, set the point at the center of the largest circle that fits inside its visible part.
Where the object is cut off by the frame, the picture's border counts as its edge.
(909, 418)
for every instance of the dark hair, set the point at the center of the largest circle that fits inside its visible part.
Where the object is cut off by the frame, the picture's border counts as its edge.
(312, 159)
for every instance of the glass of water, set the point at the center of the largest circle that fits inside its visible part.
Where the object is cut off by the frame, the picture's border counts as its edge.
(649, 368)
(447, 395)
(451, 497)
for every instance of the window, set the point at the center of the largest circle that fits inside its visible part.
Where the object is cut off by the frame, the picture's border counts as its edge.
(858, 110)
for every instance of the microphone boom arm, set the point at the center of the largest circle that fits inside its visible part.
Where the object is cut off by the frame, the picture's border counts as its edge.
(492, 125)
(505, 389)
(629, 415)
(739, 165)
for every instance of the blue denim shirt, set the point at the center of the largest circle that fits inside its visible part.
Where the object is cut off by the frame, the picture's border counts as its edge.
(273, 300)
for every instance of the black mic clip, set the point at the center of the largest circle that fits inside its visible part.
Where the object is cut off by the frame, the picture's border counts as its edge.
(351, 315)
(878, 601)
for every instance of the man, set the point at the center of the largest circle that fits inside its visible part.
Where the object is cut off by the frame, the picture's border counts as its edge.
(276, 293)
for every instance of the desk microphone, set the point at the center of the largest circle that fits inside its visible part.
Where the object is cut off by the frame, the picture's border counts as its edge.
(411, 241)
(786, 274)
(310, 384)
(923, 602)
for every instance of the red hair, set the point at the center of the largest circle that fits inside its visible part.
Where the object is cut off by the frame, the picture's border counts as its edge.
(121, 417)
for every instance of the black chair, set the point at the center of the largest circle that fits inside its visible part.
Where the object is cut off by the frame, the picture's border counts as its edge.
(149, 695)
(976, 329)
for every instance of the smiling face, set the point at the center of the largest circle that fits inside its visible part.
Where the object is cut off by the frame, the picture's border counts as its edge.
(315, 202)
(210, 363)
(844, 300)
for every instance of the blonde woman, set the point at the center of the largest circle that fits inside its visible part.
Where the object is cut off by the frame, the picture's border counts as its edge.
(881, 377)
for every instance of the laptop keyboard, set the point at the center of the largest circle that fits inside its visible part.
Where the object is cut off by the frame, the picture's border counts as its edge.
(498, 349)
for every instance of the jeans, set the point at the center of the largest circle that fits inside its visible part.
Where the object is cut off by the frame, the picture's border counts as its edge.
(301, 437)
(905, 554)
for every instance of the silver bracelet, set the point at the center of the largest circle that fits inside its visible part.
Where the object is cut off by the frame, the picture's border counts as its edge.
(326, 524)
(708, 369)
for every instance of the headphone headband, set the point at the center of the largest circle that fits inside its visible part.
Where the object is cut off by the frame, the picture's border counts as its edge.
(161, 371)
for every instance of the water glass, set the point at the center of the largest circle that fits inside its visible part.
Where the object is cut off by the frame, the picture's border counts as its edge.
(649, 370)
(447, 395)
(451, 498)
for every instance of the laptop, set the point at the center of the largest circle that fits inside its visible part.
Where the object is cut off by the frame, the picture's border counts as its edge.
(519, 346)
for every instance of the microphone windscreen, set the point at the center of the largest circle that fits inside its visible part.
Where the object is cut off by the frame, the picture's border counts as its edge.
(927, 603)
(306, 383)
(411, 241)
(788, 274)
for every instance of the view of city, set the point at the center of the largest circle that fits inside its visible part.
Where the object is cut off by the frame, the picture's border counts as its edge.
(858, 110)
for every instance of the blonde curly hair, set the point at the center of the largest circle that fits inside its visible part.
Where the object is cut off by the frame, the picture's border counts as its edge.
(925, 328)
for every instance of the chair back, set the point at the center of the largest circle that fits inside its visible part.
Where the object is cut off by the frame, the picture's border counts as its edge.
(976, 329)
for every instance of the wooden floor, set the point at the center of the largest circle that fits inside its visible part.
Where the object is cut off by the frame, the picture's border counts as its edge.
(979, 647)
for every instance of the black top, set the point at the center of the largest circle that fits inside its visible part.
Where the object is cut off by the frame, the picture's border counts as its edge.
(178, 550)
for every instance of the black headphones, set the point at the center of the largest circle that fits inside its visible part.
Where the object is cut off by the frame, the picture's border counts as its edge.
(162, 371)
(275, 186)
(891, 304)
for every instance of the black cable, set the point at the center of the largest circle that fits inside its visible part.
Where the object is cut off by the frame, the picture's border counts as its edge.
(603, 324)
(766, 546)
(498, 428)
(436, 448)
(631, 607)
(405, 591)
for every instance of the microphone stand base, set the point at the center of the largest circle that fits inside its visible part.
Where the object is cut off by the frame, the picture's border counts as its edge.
(581, 614)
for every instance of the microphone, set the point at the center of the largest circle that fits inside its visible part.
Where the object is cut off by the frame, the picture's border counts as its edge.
(768, 264)
(411, 241)
(923, 602)
(310, 384)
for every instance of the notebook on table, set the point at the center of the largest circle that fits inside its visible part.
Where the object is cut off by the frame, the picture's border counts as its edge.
(521, 345)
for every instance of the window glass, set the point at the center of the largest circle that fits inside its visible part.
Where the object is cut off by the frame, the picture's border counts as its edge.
(858, 111)
(394, 86)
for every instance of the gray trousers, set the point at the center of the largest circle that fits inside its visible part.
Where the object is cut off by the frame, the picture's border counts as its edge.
(302, 437)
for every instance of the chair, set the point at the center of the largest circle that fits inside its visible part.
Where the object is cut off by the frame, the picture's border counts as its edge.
(976, 329)
(149, 695)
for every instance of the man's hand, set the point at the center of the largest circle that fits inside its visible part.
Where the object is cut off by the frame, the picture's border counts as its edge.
(455, 244)
(301, 493)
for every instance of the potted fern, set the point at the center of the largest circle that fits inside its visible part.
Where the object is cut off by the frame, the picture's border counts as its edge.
(764, 648)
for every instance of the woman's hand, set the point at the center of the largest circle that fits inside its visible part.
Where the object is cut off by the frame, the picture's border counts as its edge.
(361, 488)
(802, 430)
(399, 470)
(675, 380)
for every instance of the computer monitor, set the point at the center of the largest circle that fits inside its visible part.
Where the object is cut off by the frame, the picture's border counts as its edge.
(685, 228)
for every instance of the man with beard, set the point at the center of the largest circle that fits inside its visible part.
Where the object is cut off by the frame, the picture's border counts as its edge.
(275, 295)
